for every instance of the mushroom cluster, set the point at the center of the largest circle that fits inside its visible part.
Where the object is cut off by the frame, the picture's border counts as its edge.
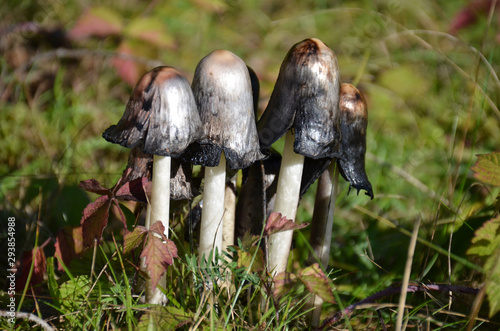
(212, 123)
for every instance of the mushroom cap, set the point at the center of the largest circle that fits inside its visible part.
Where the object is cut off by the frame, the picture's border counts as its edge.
(354, 120)
(305, 97)
(223, 92)
(160, 117)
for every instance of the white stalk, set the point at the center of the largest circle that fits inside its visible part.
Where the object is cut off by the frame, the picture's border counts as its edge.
(229, 214)
(321, 227)
(160, 191)
(158, 210)
(287, 200)
(213, 208)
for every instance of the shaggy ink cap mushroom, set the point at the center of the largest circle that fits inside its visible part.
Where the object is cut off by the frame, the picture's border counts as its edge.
(305, 97)
(162, 119)
(161, 116)
(353, 124)
(223, 91)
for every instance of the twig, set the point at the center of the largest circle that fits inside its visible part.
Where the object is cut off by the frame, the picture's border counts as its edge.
(63, 53)
(27, 316)
(412, 288)
(406, 277)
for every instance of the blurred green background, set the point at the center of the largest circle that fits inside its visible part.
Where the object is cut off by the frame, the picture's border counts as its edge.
(432, 99)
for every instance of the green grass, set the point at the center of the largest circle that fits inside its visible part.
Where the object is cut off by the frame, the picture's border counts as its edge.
(432, 101)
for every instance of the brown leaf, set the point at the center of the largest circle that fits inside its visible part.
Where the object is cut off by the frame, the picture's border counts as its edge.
(159, 255)
(94, 220)
(276, 223)
(92, 185)
(134, 190)
(69, 245)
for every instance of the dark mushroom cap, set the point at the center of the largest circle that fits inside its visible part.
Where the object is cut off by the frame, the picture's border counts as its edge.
(161, 115)
(223, 93)
(306, 96)
(354, 120)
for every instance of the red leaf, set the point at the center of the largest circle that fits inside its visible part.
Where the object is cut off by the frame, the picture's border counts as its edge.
(69, 245)
(276, 223)
(92, 185)
(97, 22)
(94, 220)
(39, 269)
(133, 239)
(135, 190)
(159, 255)
(127, 69)
(469, 14)
(158, 228)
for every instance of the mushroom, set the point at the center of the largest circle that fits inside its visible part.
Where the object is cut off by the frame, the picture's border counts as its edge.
(162, 119)
(305, 97)
(353, 124)
(223, 93)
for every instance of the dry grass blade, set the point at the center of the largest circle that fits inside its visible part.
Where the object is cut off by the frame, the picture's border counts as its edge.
(406, 277)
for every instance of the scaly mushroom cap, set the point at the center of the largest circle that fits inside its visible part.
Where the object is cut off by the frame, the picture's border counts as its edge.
(223, 93)
(161, 115)
(354, 120)
(306, 96)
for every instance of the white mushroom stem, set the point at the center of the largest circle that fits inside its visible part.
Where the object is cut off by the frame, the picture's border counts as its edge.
(322, 219)
(158, 210)
(321, 227)
(160, 191)
(213, 209)
(287, 200)
(229, 213)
